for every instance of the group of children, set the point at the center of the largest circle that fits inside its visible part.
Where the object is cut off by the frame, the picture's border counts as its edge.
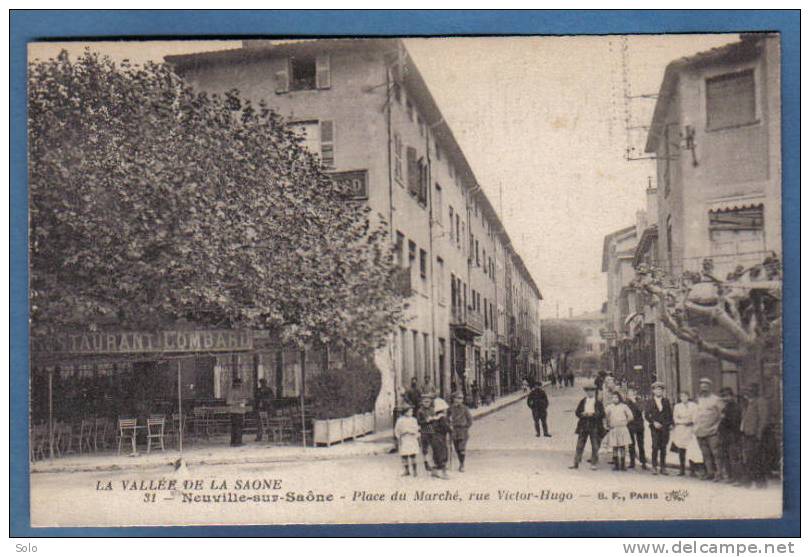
(429, 430)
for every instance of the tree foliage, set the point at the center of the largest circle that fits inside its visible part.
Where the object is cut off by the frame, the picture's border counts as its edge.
(747, 304)
(151, 202)
(560, 338)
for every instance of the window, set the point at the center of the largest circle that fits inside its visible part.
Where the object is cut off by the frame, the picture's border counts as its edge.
(403, 352)
(302, 73)
(398, 159)
(398, 247)
(437, 203)
(318, 138)
(440, 280)
(486, 272)
(409, 109)
(589, 347)
(411, 252)
(738, 237)
(417, 360)
(420, 124)
(730, 100)
(438, 151)
(458, 235)
(450, 222)
(417, 176)
(423, 263)
(426, 346)
(477, 258)
(486, 314)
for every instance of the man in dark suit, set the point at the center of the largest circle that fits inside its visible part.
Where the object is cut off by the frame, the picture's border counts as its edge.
(636, 428)
(538, 402)
(590, 413)
(659, 416)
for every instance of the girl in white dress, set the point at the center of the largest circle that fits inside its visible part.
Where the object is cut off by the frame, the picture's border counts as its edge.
(617, 416)
(683, 436)
(406, 431)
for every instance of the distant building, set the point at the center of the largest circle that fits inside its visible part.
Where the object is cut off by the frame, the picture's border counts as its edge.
(363, 107)
(591, 357)
(715, 134)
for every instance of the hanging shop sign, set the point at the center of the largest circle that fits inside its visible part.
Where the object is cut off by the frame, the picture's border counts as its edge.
(141, 342)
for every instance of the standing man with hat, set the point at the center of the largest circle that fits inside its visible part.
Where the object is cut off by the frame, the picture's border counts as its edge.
(538, 402)
(708, 414)
(461, 421)
(659, 416)
(590, 413)
(755, 421)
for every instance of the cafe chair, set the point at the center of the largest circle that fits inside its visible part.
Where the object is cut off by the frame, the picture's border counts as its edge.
(127, 431)
(155, 427)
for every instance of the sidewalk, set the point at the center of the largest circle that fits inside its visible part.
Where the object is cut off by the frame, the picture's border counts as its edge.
(377, 443)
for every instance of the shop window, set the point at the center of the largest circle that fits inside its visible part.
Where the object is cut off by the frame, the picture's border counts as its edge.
(730, 100)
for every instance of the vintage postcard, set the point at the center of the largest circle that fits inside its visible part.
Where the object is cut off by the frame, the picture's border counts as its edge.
(405, 280)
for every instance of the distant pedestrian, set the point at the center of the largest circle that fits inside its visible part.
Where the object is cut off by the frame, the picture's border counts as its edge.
(406, 431)
(730, 461)
(424, 417)
(264, 402)
(440, 427)
(683, 436)
(553, 379)
(617, 416)
(659, 416)
(413, 395)
(460, 421)
(636, 429)
(525, 385)
(538, 402)
(590, 412)
(476, 394)
(707, 422)
(755, 421)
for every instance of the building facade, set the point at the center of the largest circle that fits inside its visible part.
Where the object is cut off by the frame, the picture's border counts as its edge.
(591, 358)
(364, 108)
(715, 135)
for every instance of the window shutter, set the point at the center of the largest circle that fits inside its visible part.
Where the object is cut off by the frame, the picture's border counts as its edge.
(328, 142)
(413, 172)
(323, 72)
(283, 78)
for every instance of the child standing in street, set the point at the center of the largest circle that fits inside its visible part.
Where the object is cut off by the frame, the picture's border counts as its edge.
(438, 439)
(406, 431)
(617, 416)
(460, 422)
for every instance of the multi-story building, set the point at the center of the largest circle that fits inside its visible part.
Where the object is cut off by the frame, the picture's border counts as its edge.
(715, 134)
(362, 105)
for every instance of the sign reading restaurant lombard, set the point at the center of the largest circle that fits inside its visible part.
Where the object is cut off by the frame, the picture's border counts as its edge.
(138, 342)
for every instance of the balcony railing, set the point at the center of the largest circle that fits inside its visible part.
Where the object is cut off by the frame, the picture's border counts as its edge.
(467, 321)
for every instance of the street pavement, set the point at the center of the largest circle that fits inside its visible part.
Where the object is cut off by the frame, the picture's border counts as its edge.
(511, 476)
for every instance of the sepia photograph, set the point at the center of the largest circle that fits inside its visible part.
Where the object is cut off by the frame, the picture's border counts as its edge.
(405, 280)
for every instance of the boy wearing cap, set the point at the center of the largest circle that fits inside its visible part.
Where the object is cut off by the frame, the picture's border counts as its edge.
(424, 417)
(590, 413)
(659, 416)
(460, 420)
(440, 427)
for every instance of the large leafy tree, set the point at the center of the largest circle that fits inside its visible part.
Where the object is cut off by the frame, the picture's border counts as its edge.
(746, 304)
(150, 202)
(559, 339)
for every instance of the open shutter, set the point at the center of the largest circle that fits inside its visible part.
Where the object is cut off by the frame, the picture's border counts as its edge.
(283, 78)
(413, 172)
(328, 142)
(323, 72)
